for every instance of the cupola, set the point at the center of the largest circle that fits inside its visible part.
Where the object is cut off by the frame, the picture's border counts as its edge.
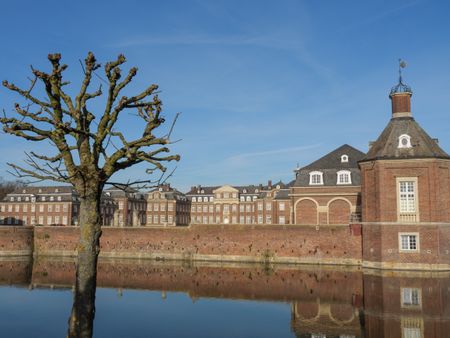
(400, 96)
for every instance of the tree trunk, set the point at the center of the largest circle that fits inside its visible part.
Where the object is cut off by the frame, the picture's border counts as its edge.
(83, 310)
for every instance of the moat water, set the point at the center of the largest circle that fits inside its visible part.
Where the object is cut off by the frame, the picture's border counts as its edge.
(175, 299)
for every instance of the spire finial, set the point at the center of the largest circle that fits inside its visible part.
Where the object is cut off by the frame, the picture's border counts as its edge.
(400, 87)
(401, 64)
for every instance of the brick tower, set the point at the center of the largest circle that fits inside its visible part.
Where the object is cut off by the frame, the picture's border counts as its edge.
(405, 182)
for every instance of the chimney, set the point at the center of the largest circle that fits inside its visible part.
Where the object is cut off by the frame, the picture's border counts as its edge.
(269, 184)
(400, 95)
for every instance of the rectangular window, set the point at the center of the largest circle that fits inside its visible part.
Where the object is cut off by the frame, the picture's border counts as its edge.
(155, 218)
(281, 206)
(25, 220)
(170, 207)
(211, 209)
(49, 220)
(217, 207)
(248, 220)
(408, 241)
(205, 208)
(170, 219)
(260, 219)
(65, 207)
(234, 207)
(241, 219)
(241, 208)
(150, 219)
(16, 208)
(248, 208)
(163, 218)
(156, 207)
(268, 206)
(163, 207)
(25, 208)
(10, 207)
(260, 206)
(56, 219)
(57, 208)
(281, 220)
(41, 208)
(268, 219)
(411, 297)
(49, 208)
(407, 199)
(64, 220)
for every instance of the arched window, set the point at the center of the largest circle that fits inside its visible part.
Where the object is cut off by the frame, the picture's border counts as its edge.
(404, 141)
(344, 177)
(315, 178)
(344, 158)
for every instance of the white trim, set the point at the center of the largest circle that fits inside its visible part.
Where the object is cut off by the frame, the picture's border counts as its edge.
(314, 173)
(344, 158)
(404, 141)
(342, 172)
(400, 249)
(408, 217)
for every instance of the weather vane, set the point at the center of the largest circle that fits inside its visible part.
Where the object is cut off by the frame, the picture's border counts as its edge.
(401, 64)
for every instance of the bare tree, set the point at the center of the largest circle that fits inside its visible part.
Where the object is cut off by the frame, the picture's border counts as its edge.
(87, 152)
(7, 187)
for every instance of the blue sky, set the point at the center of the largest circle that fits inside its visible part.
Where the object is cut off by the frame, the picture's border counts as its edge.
(262, 85)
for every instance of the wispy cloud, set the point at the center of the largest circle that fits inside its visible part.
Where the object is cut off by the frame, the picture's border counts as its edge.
(271, 41)
(290, 150)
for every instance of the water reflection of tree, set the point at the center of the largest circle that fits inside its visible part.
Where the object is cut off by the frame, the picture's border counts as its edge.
(87, 153)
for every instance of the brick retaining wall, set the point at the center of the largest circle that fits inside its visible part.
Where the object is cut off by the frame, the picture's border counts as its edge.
(16, 241)
(257, 243)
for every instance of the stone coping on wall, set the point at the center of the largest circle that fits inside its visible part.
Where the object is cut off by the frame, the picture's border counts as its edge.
(160, 256)
(406, 223)
(405, 266)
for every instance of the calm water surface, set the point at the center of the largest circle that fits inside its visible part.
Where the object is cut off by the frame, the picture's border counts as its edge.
(157, 299)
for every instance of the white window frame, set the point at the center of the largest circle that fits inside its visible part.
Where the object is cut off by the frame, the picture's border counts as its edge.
(344, 158)
(408, 215)
(314, 174)
(406, 144)
(340, 174)
(408, 249)
(411, 298)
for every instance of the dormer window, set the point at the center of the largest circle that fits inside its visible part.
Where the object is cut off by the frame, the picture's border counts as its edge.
(344, 177)
(344, 158)
(316, 178)
(244, 191)
(404, 141)
(194, 199)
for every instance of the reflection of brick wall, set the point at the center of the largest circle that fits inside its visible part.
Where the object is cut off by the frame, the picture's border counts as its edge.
(243, 281)
(15, 271)
(386, 315)
(332, 244)
(16, 241)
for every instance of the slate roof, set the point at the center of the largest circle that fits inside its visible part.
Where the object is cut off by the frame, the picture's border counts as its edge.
(386, 146)
(330, 164)
(63, 193)
(249, 189)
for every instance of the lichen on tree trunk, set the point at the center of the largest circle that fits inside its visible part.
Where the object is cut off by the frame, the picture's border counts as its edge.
(83, 311)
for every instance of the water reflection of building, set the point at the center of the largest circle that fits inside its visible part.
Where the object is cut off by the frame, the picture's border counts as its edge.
(409, 305)
(325, 302)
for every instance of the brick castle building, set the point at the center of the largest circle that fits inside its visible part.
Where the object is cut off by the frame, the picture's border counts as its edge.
(398, 193)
